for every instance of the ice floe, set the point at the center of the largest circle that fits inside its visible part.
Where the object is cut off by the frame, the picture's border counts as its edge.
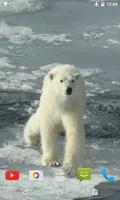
(20, 35)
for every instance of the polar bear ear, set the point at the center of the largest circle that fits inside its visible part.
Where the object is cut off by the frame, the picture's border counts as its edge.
(77, 75)
(51, 75)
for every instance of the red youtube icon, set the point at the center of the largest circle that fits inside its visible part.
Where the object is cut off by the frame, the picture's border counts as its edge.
(12, 175)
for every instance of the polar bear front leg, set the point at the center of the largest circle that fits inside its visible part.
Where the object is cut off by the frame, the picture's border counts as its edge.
(49, 146)
(32, 130)
(74, 149)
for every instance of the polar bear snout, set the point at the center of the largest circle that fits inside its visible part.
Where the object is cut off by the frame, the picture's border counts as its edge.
(68, 91)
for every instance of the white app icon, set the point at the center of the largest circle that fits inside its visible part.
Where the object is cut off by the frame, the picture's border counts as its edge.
(60, 176)
(36, 175)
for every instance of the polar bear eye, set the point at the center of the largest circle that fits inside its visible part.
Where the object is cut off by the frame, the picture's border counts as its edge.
(61, 81)
(72, 81)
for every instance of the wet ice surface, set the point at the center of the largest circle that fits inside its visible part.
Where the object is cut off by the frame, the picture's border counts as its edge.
(34, 35)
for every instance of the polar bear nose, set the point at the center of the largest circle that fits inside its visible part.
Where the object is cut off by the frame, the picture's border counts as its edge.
(69, 91)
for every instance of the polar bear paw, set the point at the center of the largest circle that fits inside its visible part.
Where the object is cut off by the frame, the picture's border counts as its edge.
(67, 168)
(51, 162)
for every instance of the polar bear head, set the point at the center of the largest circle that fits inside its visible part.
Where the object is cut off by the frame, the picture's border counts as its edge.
(65, 82)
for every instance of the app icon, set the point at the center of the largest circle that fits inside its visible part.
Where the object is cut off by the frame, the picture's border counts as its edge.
(83, 173)
(36, 175)
(12, 175)
(108, 178)
(60, 176)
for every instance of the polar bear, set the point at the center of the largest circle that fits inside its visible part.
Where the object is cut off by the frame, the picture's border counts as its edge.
(61, 108)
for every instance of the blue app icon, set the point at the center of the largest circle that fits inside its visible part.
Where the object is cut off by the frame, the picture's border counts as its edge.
(108, 178)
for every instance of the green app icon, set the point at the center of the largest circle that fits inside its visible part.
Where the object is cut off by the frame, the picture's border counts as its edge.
(83, 173)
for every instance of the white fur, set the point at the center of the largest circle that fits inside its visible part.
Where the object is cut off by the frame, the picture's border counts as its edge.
(57, 112)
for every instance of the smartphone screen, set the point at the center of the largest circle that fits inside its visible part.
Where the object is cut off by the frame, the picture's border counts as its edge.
(35, 37)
